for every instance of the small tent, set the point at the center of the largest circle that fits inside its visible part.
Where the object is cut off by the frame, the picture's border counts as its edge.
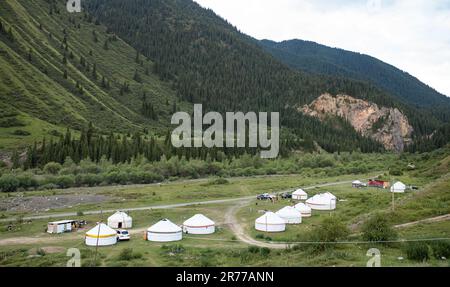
(164, 231)
(270, 222)
(290, 215)
(199, 224)
(398, 187)
(120, 220)
(299, 194)
(101, 235)
(324, 201)
(304, 209)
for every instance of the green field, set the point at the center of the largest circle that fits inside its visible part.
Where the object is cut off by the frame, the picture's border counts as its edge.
(27, 238)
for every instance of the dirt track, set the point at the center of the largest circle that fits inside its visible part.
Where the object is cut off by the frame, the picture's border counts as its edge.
(237, 228)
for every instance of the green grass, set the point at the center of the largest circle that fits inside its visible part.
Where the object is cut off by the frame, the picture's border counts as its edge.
(38, 91)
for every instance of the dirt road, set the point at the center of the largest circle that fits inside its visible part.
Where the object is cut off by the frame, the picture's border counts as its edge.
(427, 220)
(238, 229)
(168, 206)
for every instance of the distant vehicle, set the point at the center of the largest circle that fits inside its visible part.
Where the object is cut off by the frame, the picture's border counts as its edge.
(123, 235)
(286, 195)
(413, 187)
(264, 196)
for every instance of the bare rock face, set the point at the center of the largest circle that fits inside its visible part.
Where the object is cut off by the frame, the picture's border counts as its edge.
(386, 125)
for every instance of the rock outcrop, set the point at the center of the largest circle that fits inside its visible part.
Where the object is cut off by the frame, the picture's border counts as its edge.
(386, 125)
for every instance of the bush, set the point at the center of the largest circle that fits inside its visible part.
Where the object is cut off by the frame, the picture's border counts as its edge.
(417, 251)
(52, 168)
(377, 228)
(21, 133)
(64, 181)
(9, 183)
(395, 172)
(331, 229)
(441, 249)
(127, 254)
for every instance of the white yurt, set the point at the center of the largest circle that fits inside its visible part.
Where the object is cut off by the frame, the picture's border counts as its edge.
(120, 220)
(270, 222)
(304, 209)
(199, 224)
(164, 231)
(330, 195)
(398, 187)
(299, 194)
(102, 234)
(290, 215)
(324, 201)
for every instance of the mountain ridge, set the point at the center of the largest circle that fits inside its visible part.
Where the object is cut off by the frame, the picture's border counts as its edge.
(320, 59)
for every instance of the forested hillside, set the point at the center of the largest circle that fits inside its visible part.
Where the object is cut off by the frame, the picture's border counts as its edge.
(319, 59)
(116, 72)
(210, 61)
(62, 70)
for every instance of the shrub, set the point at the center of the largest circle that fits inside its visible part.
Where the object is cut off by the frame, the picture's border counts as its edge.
(64, 181)
(253, 249)
(9, 183)
(127, 254)
(441, 249)
(417, 251)
(21, 133)
(377, 228)
(395, 172)
(52, 168)
(331, 229)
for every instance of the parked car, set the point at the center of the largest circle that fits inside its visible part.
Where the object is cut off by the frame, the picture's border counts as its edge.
(264, 196)
(286, 195)
(123, 235)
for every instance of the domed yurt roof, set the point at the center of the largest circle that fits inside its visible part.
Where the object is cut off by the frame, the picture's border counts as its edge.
(299, 192)
(101, 230)
(164, 226)
(270, 218)
(288, 212)
(199, 220)
(303, 208)
(119, 215)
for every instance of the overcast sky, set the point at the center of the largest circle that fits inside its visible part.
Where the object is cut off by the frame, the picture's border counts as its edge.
(413, 35)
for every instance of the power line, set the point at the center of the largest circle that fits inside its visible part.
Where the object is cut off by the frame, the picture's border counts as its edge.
(329, 242)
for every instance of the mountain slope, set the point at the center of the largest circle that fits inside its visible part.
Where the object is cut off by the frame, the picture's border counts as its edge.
(211, 62)
(64, 70)
(315, 58)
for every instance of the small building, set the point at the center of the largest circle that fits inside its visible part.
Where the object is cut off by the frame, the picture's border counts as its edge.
(304, 209)
(379, 183)
(199, 224)
(290, 215)
(299, 194)
(101, 235)
(120, 220)
(62, 226)
(164, 231)
(323, 201)
(398, 187)
(270, 222)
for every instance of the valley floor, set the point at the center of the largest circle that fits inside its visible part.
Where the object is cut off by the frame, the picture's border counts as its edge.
(234, 208)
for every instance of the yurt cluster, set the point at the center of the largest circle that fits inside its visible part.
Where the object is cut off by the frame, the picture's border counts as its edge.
(162, 231)
(277, 221)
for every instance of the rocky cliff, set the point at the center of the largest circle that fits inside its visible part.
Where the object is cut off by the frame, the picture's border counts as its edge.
(386, 125)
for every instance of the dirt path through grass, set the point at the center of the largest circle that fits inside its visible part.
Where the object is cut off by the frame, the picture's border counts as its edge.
(427, 220)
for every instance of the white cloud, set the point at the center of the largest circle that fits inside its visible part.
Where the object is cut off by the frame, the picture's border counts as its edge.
(413, 35)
